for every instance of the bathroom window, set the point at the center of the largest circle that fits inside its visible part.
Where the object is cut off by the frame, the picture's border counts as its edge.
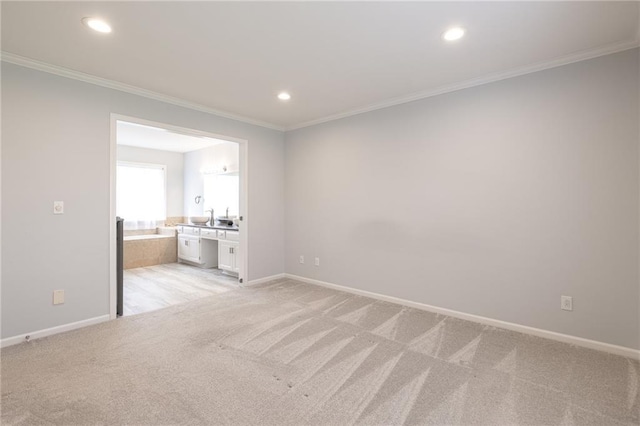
(141, 194)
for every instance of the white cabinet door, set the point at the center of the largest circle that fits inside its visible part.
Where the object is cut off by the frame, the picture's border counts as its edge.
(183, 247)
(225, 255)
(236, 258)
(228, 256)
(189, 248)
(194, 249)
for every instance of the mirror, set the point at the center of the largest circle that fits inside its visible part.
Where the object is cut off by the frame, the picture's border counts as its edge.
(222, 191)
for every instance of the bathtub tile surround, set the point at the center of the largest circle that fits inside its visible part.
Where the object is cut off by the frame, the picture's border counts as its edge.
(148, 250)
(174, 220)
(148, 247)
(136, 232)
(168, 222)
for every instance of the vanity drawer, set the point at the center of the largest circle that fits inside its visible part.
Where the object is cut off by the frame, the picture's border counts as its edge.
(208, 233)
(191, 230)
(232, 235)
(180, 229)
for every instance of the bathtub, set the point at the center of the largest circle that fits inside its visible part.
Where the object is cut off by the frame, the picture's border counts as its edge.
(151, 249)
(146, 237)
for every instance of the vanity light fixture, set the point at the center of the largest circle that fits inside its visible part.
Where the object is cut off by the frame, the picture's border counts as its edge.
(214, 171)
(453, 34)
(284, 96)
(97, 25)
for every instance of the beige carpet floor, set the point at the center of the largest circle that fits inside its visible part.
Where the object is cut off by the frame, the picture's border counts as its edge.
(288, 353)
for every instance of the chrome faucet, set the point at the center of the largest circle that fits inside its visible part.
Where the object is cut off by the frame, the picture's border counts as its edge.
(227, 215)
(212, 221)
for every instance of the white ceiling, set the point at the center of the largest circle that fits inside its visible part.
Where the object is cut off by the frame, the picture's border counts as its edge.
(143, 136)
(334, 58)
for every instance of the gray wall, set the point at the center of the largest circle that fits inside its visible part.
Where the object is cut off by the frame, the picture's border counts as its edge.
(174, 172)
(55, 146)
(495, 200)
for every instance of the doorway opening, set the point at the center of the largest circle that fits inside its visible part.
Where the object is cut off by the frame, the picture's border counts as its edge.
(178, 209)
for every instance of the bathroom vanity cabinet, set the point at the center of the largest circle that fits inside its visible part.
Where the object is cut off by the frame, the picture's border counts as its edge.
(228, 243)
(209, 247)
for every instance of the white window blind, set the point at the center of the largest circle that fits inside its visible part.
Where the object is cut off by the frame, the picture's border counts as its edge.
(141, 194)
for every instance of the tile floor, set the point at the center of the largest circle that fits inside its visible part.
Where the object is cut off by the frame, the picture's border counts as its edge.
(159, 286)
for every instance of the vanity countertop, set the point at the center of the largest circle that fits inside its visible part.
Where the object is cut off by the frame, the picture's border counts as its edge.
(224, 227)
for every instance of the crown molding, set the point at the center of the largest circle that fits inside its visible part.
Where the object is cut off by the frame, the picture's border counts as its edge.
(111, 84)
(490, 78)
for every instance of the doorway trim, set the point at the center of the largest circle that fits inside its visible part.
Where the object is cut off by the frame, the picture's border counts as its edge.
(244, 194)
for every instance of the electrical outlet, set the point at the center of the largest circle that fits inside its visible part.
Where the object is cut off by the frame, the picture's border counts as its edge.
(58, 297)
(566, 303)
(301, 259)
(317, 261)
(58, 207)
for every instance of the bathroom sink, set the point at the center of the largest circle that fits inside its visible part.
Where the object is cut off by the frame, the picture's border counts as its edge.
(199, 220)
(227, 220)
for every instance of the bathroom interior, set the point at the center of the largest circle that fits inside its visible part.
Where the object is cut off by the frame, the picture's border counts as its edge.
(178, 196)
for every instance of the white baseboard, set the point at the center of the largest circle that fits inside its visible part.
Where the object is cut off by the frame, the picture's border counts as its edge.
(264, 280)
(9, 341)
(566, 338)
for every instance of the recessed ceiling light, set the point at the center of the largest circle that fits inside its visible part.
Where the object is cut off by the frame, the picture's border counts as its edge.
(453, 34)
(284, 96)
(97, 25)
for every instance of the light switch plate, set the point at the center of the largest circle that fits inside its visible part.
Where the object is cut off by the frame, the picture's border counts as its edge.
(58, 207)
(58, 297)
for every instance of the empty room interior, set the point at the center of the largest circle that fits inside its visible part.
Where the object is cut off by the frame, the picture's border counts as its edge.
(320, 213)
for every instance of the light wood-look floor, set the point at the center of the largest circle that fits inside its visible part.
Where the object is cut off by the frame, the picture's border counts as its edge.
(154, 287)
